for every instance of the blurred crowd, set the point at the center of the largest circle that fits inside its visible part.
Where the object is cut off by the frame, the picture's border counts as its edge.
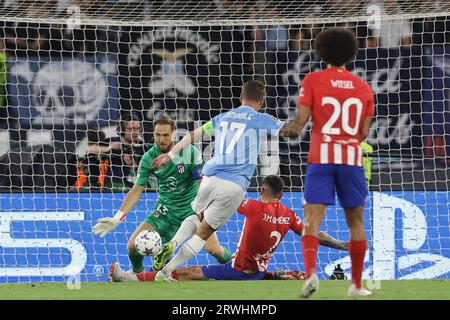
(28, 37)
(34, 35)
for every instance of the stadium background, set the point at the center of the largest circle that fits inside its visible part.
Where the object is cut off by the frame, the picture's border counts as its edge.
(46, 227)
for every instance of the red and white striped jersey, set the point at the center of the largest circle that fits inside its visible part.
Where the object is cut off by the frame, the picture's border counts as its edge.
(339, 102)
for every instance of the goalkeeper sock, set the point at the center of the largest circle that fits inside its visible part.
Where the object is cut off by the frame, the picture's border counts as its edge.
(187, 229)
(310, 245)
(150, 276)
(225, 258)
(187, 251)
(357, 251)
(136, 261)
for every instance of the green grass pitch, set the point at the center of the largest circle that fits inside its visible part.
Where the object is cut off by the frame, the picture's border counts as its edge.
(224, 290)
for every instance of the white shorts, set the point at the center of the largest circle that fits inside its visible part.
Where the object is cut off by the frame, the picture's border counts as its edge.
(218, 199)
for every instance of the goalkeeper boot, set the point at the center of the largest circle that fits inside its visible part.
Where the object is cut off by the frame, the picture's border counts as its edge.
(311, 285)
(353, 291)
(161, 258)
(117, 274)
(162, 276)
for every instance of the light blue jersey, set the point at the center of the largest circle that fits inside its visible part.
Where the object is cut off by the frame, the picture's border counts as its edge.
(238, 136)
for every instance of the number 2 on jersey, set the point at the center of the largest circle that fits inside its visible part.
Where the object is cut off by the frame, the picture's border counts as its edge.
(345, 110)
(238, 129)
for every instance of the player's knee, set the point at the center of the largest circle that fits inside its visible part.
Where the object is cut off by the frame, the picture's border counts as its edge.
(193, 219)
(191, 273)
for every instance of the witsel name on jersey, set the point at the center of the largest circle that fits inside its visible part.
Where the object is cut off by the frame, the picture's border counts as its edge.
(342, 84)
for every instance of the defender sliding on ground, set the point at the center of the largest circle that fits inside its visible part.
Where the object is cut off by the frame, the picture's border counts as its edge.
(266, 223)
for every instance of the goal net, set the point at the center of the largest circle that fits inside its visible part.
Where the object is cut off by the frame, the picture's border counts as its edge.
(70, 70)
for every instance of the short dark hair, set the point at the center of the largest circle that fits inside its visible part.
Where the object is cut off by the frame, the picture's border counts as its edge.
(164, 119)
(130, 116)
(253, 90)
(127, 117)
(337, 46)
(275, 183)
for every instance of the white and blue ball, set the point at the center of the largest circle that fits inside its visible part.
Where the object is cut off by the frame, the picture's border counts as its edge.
(148, 243)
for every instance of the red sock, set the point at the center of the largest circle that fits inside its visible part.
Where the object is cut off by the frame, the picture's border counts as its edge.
(357, 252)
(150, 276)
(310, 245)
(146, 276)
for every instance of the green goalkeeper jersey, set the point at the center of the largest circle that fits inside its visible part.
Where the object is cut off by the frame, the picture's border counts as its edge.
(176, 182)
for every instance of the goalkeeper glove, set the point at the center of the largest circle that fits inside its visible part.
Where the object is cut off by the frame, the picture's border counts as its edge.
(106, 225)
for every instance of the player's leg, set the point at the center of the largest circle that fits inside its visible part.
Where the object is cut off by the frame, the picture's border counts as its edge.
(117, 274)
(213, 272)
(187, 251)
(358, 243)
(352, 191)
(319, 193)
(227, 272)
(135, 258)
(218, 200)
(190, 273)
(187, 228)
(357, 249)
(314, 214)
(214, 248)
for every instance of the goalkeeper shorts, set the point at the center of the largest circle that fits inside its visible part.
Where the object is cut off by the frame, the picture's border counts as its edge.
(323, 181)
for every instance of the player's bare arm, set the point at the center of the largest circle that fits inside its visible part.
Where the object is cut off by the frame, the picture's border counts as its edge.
(293, 128)
(188, 139)
(132, 198)
(106, 225)
(96, 149)
(365, 128)
(328, 241)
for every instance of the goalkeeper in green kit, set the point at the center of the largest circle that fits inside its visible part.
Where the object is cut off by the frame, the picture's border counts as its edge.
(177, 187)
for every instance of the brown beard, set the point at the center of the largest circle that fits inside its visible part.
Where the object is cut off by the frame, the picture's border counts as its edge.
(166, 148)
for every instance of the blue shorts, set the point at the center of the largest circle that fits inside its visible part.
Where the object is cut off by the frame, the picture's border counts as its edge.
(323, 181)
(227, 272)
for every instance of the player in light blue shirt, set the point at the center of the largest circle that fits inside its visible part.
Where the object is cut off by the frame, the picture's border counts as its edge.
(238, 133)
(238, 136)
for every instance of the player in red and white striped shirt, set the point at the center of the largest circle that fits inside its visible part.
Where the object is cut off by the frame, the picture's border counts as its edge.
(340, 104)
(341, 107)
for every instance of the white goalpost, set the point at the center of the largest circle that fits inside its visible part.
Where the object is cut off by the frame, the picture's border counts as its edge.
(69, 70)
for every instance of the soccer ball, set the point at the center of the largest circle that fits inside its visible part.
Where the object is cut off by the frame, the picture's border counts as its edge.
(148, 243)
